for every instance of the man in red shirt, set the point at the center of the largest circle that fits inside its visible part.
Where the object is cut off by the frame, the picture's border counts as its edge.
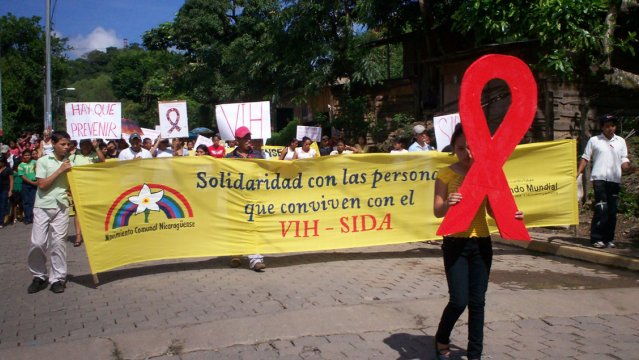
(244, 150)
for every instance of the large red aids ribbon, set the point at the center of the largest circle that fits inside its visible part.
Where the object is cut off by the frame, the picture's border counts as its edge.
(486, 177)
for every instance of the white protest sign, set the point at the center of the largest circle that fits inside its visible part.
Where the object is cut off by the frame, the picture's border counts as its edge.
(174, 121)
(202, 140)
(313, 132)
(444, 127)
(94, 120)
(255, 115)
(150, 133)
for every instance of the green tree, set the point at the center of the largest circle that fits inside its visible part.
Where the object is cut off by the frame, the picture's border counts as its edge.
(140, 78)
(352, 116)
(265, 49)
(96, 89)
(252, 56)
(228, 47)
(130, 68)
(320, 42)
(21, 63)
(91, 64)
(570, 33)
(393, 17)
(574, 36)
(159, 38)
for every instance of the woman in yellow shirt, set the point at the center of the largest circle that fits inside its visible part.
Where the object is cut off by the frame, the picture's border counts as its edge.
(467, 256)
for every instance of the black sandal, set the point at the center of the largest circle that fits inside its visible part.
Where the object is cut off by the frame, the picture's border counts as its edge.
(442, 354)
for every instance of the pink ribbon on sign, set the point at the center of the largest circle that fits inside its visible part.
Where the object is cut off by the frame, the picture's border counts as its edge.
(174, 125)
(486, 177)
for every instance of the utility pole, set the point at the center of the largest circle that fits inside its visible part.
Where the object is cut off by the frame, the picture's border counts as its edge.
(47, 97)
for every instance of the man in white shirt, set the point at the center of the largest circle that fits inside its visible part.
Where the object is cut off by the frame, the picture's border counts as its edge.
(163, 149)
(422, 141)
(342, 149)
(609, 156)
(135, 151)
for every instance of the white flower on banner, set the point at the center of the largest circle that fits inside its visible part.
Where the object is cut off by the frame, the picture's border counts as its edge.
(146, 200)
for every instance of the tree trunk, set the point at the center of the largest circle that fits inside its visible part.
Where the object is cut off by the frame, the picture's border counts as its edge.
(427, 18)
(627, 4)
(624, 79)
(611, 23)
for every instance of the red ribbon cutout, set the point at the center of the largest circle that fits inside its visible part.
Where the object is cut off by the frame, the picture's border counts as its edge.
(174, 125)
(486, 178)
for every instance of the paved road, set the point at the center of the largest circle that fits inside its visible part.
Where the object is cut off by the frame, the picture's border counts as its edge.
(373, 303)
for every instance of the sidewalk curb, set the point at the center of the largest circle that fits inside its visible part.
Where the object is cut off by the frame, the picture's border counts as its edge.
(576, 252)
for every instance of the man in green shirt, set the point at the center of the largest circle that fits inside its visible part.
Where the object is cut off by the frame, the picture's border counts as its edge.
(51, 214)
(89, 153)
(26, 170)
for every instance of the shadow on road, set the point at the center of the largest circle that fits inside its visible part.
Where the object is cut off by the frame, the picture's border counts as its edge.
(274, 261)
(422, 347)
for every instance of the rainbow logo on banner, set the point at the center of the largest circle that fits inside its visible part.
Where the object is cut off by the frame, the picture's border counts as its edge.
(172, 203)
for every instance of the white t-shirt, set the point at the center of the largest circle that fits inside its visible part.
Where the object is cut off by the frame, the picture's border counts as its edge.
(416, 147)
(606, 157)
(289, 153)
(128, 154)
(47, 148)
(305, 155)
(398, 151)
(345, 152)
(164, 153)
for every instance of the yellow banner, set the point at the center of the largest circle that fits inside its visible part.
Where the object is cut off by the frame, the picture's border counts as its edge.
(152, 209)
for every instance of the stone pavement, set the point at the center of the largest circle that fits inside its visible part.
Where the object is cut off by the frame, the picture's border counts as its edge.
(373, 303)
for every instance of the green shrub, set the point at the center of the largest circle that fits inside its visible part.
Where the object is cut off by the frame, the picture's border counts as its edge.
(282, 137)
(628, 202)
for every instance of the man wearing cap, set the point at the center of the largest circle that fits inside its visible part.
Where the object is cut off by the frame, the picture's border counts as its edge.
(4, 150)
(422, 141)
(135, 151)
(244, 150)
(609, 156)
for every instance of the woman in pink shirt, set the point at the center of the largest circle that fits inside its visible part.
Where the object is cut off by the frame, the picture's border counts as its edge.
(14, 149)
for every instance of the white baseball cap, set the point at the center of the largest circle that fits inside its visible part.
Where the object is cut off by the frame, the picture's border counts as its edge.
(418, 129)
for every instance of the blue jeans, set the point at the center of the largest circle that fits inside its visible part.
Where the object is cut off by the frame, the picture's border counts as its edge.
(28, 199)
(604, 219)
(467, 262)
(4, 205)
